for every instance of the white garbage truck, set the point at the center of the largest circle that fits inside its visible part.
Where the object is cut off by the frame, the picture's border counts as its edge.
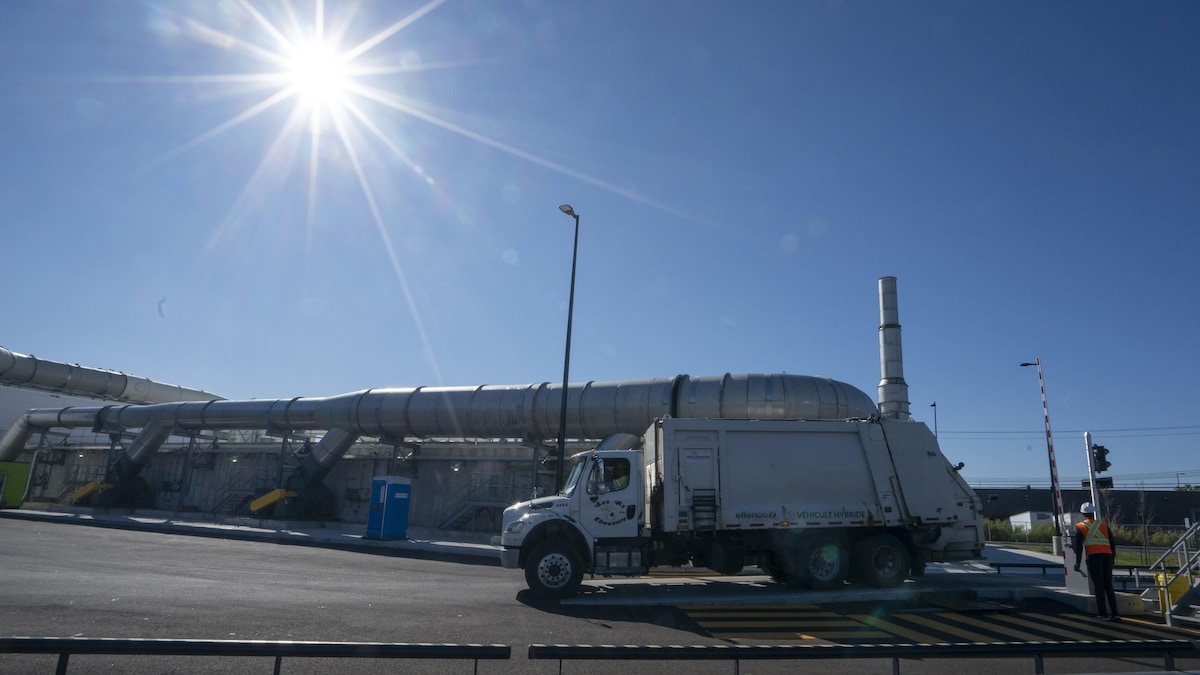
(814, 500)
(813, 504)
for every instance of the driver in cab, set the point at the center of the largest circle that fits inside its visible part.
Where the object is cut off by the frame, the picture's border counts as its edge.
(617, 478)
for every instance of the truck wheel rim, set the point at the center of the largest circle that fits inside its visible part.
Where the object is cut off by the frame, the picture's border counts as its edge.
(554, 570)
(825, 562)
(885, 562)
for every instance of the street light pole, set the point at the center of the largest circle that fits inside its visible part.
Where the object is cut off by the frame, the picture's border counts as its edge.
(934, 406)
(1054, 488)
(562, 415)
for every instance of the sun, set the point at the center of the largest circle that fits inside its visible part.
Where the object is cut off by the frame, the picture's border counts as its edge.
(319, 75)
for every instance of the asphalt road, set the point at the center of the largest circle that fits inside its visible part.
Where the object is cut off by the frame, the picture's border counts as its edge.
(65, 580)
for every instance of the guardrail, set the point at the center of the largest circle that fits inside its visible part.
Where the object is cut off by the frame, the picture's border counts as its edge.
(1141, 578)
(999, 566)
(738, 653)
(1038, 651)
(66, 647)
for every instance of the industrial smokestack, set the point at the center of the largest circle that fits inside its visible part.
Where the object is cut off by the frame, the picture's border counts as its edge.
(893, 391)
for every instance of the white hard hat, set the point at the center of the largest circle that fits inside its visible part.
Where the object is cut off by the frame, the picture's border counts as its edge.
(1087, 508)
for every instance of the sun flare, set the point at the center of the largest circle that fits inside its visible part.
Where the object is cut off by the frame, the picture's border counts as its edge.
(338, 95)
(319, 75)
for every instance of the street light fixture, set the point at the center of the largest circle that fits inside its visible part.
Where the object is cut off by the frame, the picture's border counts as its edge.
(1054, 488)
(562, 416)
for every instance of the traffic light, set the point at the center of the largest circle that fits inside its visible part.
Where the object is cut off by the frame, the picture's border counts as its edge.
(1100, 462)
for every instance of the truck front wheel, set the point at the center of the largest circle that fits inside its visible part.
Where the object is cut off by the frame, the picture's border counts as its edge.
(553, 570)
(881, 561)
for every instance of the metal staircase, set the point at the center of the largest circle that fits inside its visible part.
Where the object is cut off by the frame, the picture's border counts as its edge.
(487, 494)
(1177, 571)
(238, 492)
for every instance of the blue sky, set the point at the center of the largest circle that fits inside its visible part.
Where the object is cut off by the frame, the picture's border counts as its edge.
(744, 173)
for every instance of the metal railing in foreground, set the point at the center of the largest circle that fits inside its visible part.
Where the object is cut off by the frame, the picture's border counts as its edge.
(65, 647)
(957, 650)
(1181, 580)
(1038, 651)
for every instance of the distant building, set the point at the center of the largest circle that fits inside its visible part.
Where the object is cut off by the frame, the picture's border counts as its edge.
(1154, 508)
(1025, 521)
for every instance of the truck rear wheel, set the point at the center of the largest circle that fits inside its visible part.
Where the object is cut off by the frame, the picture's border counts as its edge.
(553, 570)
(821, 563)
(881, 561)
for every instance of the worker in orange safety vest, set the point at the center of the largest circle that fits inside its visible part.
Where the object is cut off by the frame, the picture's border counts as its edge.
(1095, 540)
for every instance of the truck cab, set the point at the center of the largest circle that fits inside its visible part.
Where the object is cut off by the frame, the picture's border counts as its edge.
(597, 523)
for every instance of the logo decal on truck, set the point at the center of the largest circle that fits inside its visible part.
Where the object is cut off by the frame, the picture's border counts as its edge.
(755, 515)
(611, 512)
(832, 514)
(835, 514)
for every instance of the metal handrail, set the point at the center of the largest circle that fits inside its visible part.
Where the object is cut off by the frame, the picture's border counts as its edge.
(1134, 573)
(738, 653)
(67, 646)
(1180, 545)
(1187, 563)
(490, 488)
(235, 490)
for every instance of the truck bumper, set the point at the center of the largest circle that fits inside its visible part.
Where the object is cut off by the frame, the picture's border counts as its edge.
(510, 558)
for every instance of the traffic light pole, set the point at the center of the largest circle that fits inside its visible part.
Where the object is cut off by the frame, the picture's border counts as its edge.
(1087, 444)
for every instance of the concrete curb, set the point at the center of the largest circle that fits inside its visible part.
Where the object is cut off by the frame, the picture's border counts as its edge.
(348, 538)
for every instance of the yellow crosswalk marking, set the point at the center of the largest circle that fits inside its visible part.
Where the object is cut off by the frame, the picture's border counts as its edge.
(849, 635)
(821, 624)
(895, 629)
(996, 627)
(944, 627)
(1049, 626)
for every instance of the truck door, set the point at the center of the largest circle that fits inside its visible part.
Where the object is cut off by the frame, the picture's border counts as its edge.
(610, 507)
(697, 456)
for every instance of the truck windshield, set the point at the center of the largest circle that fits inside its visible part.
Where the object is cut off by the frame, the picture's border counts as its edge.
(573, 479)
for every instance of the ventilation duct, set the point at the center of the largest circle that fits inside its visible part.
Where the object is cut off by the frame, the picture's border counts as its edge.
(29, 371)
(594, 410)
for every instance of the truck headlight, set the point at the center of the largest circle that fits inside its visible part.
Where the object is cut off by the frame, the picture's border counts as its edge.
(515, 527)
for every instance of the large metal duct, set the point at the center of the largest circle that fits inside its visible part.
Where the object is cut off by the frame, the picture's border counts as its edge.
(325, 454)
(595, 409)
(30, 371)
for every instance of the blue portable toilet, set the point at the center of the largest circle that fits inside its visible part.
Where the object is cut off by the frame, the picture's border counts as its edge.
(388, 517)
